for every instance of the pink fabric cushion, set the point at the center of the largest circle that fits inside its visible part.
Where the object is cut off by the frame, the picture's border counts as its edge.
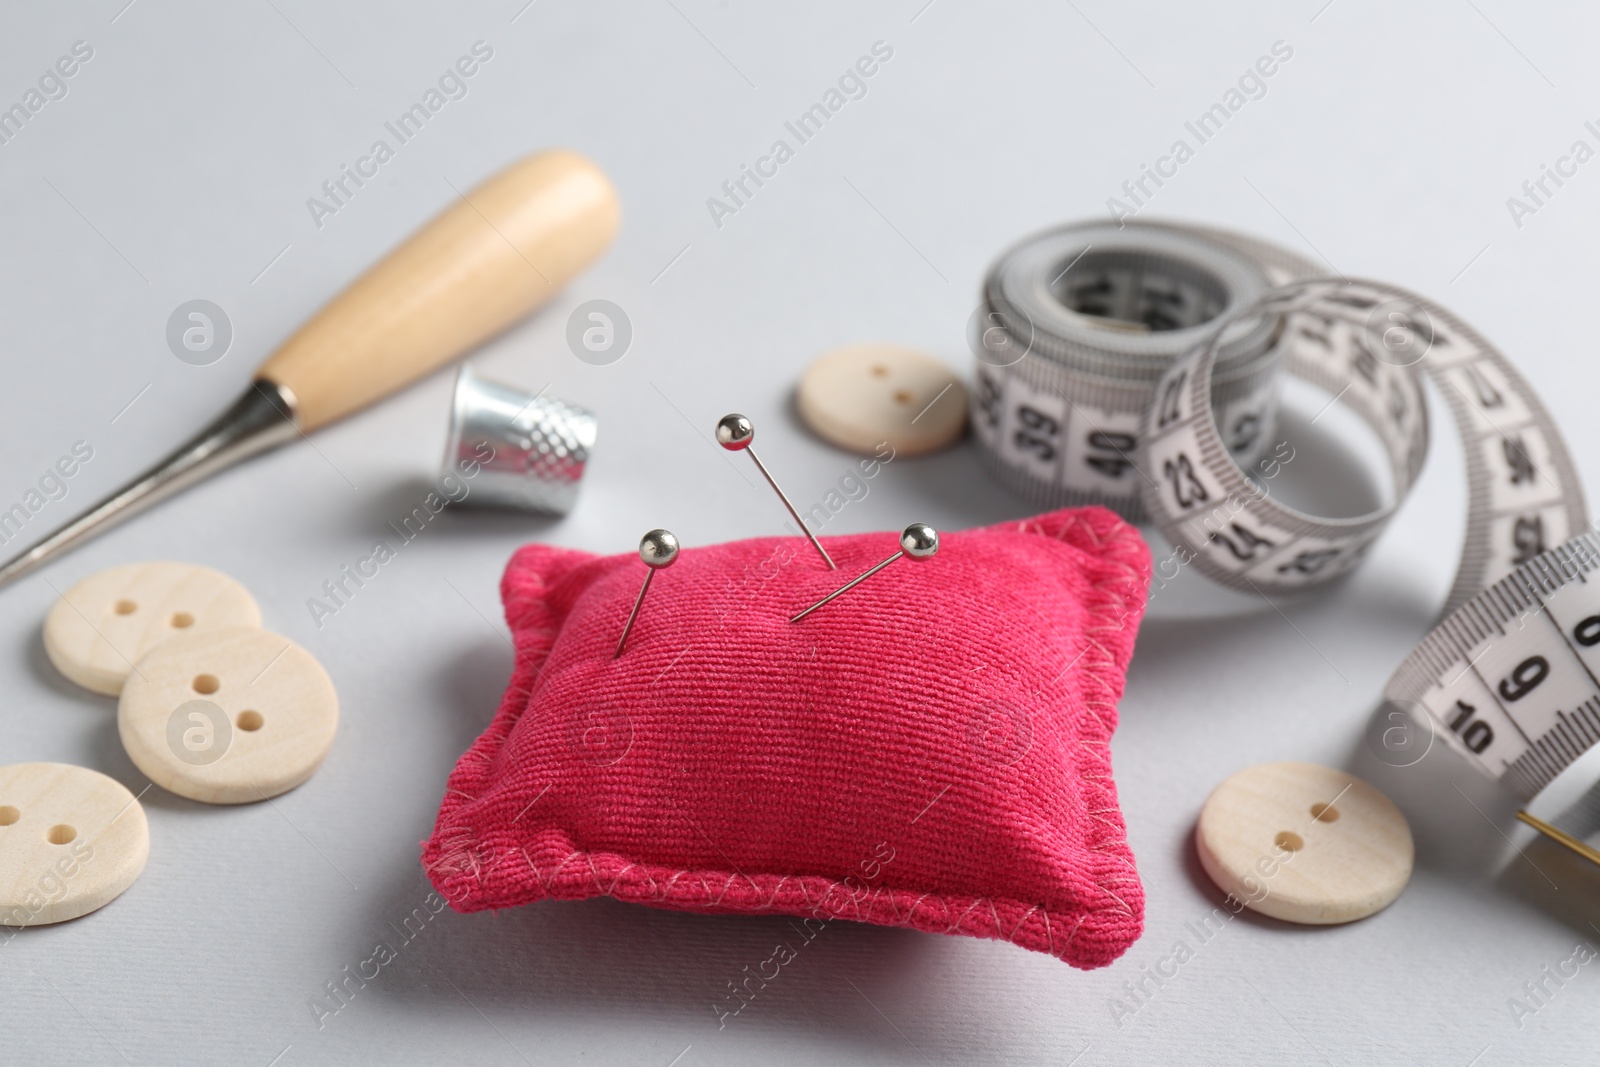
(930, 750)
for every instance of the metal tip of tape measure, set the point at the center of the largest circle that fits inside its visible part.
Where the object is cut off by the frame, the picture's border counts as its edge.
(1561, 837)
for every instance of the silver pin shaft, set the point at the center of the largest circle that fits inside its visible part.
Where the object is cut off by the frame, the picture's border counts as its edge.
(634, 614)
(762, 467)
(851, 584)
(657, 549)
(919, 541)
(736, 434)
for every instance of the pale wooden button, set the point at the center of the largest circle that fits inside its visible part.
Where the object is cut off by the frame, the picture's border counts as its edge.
(228, 716)
(106, 623)
(71, 840)
(860, 396)
(1305, 843)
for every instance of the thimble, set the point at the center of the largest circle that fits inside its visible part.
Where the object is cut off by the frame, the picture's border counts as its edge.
(537, 445)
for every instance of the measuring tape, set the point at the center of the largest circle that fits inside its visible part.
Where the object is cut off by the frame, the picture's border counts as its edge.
(1511, 674)
(1077, 327)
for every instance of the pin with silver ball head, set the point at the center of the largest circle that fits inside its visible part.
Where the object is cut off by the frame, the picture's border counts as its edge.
(657, 549)
(735, 433)
(919, 541)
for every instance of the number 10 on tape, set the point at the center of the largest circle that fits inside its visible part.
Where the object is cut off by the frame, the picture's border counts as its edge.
(1515, 675)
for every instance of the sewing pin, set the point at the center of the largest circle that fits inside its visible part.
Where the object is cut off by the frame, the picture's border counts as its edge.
(735, 433)
(658, 549)
(919, 541)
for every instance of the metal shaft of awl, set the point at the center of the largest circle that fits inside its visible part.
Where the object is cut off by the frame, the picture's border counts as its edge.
(263, 418)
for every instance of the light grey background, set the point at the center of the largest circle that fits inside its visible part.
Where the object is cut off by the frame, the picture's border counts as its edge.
(178, 167)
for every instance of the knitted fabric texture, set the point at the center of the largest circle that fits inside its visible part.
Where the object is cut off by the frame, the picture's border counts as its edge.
(930, 750)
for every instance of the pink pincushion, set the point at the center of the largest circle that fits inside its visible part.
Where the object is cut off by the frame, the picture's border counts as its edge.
(930, 750)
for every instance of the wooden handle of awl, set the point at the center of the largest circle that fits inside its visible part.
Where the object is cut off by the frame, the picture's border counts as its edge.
(483, 263)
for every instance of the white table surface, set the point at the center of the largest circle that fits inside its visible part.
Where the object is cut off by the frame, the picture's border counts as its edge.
(178, 166)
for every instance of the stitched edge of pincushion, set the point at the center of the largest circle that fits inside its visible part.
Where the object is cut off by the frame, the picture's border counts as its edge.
(459, 861)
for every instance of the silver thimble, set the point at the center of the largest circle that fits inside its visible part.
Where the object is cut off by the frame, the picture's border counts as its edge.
(531, 449)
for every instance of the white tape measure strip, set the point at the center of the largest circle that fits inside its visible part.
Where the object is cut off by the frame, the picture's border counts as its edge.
(1512, 673)
(1512, 676)
(1506, 674)
(1368, 343)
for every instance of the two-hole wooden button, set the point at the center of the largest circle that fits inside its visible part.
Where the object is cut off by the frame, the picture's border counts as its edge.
(71, 840)
(228, 716)
(1304, 843)
(862, 396)
(103, 625)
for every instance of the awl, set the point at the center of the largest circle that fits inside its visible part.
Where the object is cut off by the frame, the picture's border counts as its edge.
(490, 258)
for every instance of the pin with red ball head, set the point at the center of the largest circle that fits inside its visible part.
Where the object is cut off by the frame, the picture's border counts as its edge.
(735, 433)
(919, 541)
(657, 549)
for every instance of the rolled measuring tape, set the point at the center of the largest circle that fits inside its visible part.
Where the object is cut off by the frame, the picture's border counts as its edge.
(1077, 326)
(1510, 676)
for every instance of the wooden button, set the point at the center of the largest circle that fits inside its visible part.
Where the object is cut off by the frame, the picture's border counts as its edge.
(860, 396)
(106, 623)
(228, 716)
(71, 840)
(1305, 843)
